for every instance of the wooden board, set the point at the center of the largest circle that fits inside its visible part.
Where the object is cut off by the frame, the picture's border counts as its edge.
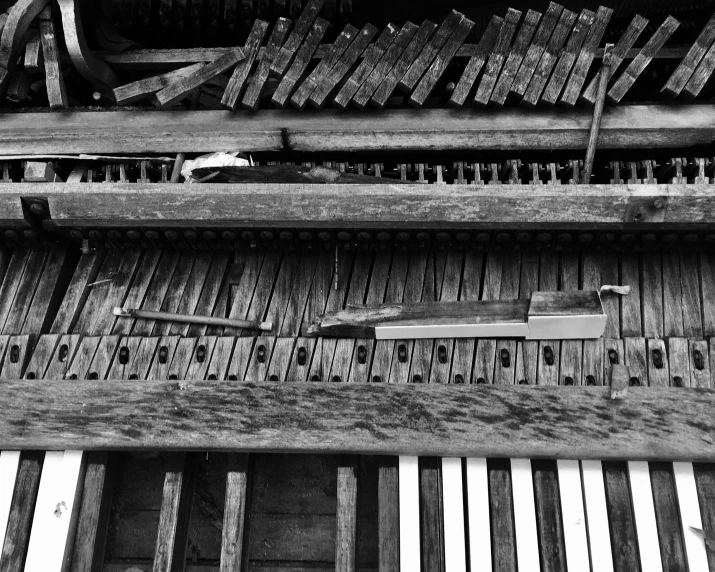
(633, 126)
(345, 417)
(217, 205)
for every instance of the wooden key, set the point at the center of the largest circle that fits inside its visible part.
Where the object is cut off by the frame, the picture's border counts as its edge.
(143, 280)
(441, 61)
(631, 305)
(413, 74)
(33, 62)
(56, 91)
(497, 57)
(319, 73)
(690, 292)
(17, 354)
(653, 295)
(346, 515)
(568, 57)
(672, 296)
(300, 63)
(240, 360)
(402, 64)
(658, 369)
(585, 57)
(527, 550)
(516, 57)
(699, 364)
(234, 528)
(644, 512)
(285, 55)
(636, 360)
(143, 88)
(573, 514)
(536, 49)
(639, 63)
(384, 65)
(594, 498)
(367, 65)
(342, 67)
(257, 81)
(182, 87)
(690, 62)
(409, 522)
(548, 60)
(679, 362)
(9, 465)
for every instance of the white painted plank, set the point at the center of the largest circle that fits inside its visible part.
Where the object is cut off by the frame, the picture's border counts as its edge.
(455, 558)
(422, 331)
(690, 517)
(9, 464)
(527, 544)
(409, 514)
(572, 515)
(644, 512)
(594, 493)
(480, 536)
(53, 511)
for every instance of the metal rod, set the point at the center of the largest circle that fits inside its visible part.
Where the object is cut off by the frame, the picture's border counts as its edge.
(188, 319)
(597, 114)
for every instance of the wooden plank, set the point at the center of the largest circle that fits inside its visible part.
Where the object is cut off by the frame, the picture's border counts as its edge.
(237, 83)
(618, 54)
(479, 539)
(177, 495)
(20, 518)
(679, 78)
(690, 292)
(651, 270)
(667, 516)
(33, 52)
(672, 296)
(346, 516)
(9, 465)
(300, 63)
(143, 279)
(300, 97)
(536, 49)
(631, 320)
(384, 65)
(620, 517)
(54, 81)
(388, 514)
(705, 484)
(24, 289)
(233, 534)
(366, 66)
(707, 291)
(679, 362)
(420, 64)
(430, 510)
(48, 425)
(636, 360)
(143, 88)
(632, 126)
(176, 91)
(402, 64)
(641, 61)
(701, 75)
(343, 66)
(286, 53)
(497, 57)
(16, 356)
(568, 56)
(257, 81)
(699, 364)
(549, 58)
(515, 57)
(16, 26)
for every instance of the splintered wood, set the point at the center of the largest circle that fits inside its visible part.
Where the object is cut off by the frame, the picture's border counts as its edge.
(526, 58)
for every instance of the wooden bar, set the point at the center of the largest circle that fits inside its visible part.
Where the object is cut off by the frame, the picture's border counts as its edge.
(412, 419)
(633, 127)
(216, 205)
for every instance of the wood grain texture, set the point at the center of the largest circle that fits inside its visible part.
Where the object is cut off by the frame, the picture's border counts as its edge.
(258, 80)
(56, 92)
(637, 126)
(232, 534)
(428, 419)
(681, 75)
(237, 83)
(346, 515)
(165, 205)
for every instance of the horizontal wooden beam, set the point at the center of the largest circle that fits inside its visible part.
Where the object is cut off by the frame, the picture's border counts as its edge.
(635, 127)
(413, 419)
(379, 206)
(158, 58)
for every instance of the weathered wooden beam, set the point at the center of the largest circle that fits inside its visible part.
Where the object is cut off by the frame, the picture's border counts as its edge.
(413, 419)
(405, 206)
(636, 126)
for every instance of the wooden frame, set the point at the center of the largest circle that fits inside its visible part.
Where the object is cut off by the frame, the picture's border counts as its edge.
(408, 419)
(368, 206)
(624, 127)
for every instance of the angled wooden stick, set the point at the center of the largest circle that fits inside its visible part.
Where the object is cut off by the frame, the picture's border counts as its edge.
(603, 77)
(188, 319)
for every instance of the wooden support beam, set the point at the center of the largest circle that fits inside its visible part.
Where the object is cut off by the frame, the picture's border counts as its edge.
(411, 419)
(405, 206)
(632, 127)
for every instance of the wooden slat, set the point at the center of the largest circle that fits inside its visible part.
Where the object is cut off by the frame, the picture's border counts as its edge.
(684, 71)
(524, 485)
(287, 52)
(689, 509)
(620, 517)
(639, 63)
(549, 58)
(300, 63)
(644, 514)
(402, 64)
(257, 81)
(594, 500)
(585, 57)
(366, 67)
(56, 91)
(346, 516)
(618, 54)
(497, 57)
(383, 67)
(9, 465)
(234, 514)
(536, 49)
(237, 83)
(679, 434)
(516, 57)
(667, 516)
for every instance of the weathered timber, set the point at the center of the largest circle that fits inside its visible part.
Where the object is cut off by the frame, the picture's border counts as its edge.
(636, 126)
(571, 206)
(411, 419)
